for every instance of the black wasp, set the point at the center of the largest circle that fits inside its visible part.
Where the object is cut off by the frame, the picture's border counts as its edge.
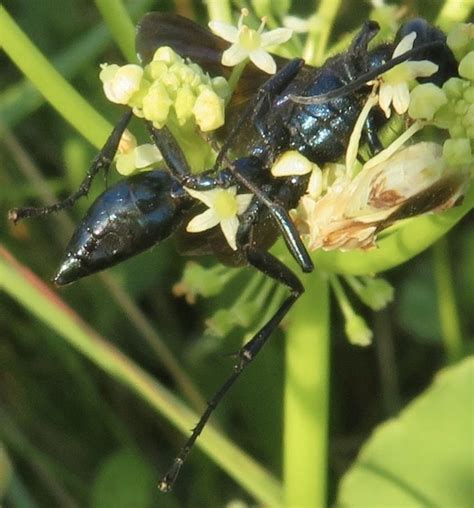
(142, 210)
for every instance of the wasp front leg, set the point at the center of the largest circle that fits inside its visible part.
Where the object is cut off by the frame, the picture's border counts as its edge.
(101, 163)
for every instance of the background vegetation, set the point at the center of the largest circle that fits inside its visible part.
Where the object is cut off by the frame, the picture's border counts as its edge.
(84, 415)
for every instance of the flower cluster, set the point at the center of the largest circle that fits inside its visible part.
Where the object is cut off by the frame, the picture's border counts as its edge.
(168, 85)
(452, 106)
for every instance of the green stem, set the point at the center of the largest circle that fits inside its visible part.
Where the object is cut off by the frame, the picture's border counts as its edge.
(448, 313)
(56, 90)
(235, 75)
(306, 398)
(341, 297)
(120, 25)
(315, 48)
(22, 285)
(219, 10)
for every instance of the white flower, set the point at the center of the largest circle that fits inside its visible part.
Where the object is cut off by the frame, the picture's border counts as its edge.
(394, 88)
(121, 83)
(249, 43)
(224, 207)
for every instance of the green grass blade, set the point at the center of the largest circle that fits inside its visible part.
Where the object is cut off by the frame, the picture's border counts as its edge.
(55, 89)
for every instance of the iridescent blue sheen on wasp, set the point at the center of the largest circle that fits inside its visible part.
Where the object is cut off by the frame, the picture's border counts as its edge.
(144, 209)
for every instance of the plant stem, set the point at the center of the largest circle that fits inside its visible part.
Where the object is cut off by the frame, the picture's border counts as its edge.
(306, 398)
(219, 10)
(322, 22)
(447, 309)
(120, 25)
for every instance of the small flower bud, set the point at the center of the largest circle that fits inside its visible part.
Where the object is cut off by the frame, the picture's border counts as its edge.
(357, 331)
(466, 67)
(457, 152)
(425, 100)
(121, 83)
(454, 88)
(377, 293)
(156, 104)
(167, 55)
(209, 110)
(184, 104)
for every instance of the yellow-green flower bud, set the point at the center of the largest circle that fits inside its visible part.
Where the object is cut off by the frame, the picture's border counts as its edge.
(121, 83)
(184, 103)
(209, 110)
(466, 67)
(457, 152)
(156, 104)
(469, 95)
(376, 293)
(357, 331)
(425, 100)
(156, 69)
(221, 87)
(167, 55)
(454, 88)
(456, 130)
(172, 83)
(136, 100)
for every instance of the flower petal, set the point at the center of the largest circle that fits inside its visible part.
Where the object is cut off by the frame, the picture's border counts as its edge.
(243, 202)
(203, 221)
(422, 68)
(263, 61)
(229, 228)
(224, 31)
(207, 197)
(401, 98)
(274, 37)
(385, 98)
(234, 55)
(405, 44)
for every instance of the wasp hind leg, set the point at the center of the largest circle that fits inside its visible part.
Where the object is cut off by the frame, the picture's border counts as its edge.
(275, 269)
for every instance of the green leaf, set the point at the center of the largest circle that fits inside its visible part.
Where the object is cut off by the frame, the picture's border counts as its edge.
(124, 479)
(423, 457)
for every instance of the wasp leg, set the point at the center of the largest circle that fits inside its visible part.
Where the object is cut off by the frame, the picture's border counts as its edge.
(272, 87)
(287, 228)
(177, 163)
(275, 269)
(373, 140)
(101, 162)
